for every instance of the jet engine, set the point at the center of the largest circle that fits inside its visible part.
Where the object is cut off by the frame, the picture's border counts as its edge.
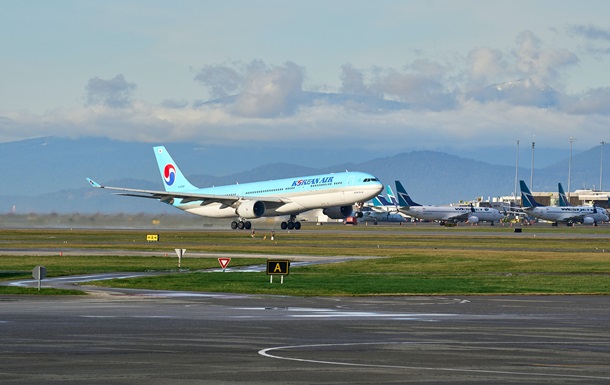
(588, 221)
(338, 212)
(251, 209)
(473, 219)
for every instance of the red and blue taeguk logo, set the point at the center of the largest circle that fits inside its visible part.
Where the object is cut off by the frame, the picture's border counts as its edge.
(169, 174)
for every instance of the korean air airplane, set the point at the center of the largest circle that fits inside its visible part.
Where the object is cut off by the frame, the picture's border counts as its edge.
(589, 215)
(444, 214)
(335, 193)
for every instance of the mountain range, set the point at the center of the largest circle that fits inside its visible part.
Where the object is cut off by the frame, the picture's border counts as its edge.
(47, 175)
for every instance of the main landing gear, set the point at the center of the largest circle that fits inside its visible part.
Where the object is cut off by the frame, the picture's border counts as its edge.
(291, 224)
(241, 225)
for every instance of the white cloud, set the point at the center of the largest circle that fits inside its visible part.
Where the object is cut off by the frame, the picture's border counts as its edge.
(260, 90)
(487, 66)
(542, 65)
(424, 104)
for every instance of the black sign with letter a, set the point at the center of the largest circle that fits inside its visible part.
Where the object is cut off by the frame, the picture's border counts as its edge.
(277, 267)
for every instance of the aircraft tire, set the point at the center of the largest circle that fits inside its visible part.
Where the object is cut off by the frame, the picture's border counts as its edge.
(284, 225)
(290, 225)
(297, 225)
(240, 225)
(247, 225)
(233, 225)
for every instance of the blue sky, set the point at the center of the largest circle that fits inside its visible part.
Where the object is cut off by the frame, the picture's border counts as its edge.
(394, 75)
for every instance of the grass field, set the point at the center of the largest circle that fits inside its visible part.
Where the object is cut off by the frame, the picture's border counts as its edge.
(410, 260)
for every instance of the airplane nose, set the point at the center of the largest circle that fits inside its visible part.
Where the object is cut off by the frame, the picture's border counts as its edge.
(379, 187)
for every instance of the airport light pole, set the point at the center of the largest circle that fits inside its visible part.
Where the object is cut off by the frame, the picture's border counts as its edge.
(601, 165)
(570, 166)
(516, 172)
(532, 175)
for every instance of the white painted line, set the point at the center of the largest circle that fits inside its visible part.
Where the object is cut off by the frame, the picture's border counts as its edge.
(266, 353)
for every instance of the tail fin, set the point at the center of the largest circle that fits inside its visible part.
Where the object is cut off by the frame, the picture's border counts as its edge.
(390, 194)
(563, 199)
(527, 199)
(380, 201)
(403, 197)
(173, 179)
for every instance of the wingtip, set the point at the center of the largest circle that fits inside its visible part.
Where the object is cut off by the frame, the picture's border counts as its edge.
(93, 183)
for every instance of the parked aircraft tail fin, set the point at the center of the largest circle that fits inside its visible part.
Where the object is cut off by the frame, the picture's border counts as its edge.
(527, 199)
(563, 199)
(403, 196)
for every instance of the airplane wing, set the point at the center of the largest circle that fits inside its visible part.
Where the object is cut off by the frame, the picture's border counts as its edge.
(187, 197)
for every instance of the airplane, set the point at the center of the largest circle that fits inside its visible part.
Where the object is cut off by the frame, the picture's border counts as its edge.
(445, 214)
(569, 214)
(382, 210)
(335, 193)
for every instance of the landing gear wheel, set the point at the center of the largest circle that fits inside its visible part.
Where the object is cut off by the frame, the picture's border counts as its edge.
(233, 225)
(240, 225)
(290, 225)
(247, 225)
(297, 225)
(284, 225)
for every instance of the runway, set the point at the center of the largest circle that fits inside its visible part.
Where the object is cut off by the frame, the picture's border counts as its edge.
(123, 336)
(146, 337)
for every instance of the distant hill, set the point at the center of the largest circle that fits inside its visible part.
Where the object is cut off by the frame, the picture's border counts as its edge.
(46, 175)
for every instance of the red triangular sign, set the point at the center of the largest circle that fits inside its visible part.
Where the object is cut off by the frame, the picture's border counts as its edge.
(224, 262)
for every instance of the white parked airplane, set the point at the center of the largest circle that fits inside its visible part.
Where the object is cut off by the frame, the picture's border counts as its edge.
(589, 215)
(335, 193)
(380, 209)
(444, 214)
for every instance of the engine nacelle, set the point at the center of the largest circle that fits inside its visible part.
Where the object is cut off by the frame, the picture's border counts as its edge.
(251, 209)
(588, 221)
(473, 219)
(338, 212)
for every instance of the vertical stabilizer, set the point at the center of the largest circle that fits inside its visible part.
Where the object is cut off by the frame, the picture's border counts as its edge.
(527, 199)
(380, 201)
(403, 197)
(391, 196)
(563, 199)
(173, 179)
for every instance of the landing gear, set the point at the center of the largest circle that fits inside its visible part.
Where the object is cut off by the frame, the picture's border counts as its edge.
(291, 224)
(358, 213)
(241, 225)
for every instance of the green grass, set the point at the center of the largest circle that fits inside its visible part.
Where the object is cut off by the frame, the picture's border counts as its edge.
(408, 261)
(418, 274)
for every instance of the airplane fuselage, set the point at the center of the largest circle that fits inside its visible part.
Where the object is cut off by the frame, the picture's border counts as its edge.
(297, 194)
(382, 216)
(567, 214)
(451, 213)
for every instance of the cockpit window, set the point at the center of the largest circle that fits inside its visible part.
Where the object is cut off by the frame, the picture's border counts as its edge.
(370, 180)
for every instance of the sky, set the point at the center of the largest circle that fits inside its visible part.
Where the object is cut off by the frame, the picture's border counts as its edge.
(389, 75)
